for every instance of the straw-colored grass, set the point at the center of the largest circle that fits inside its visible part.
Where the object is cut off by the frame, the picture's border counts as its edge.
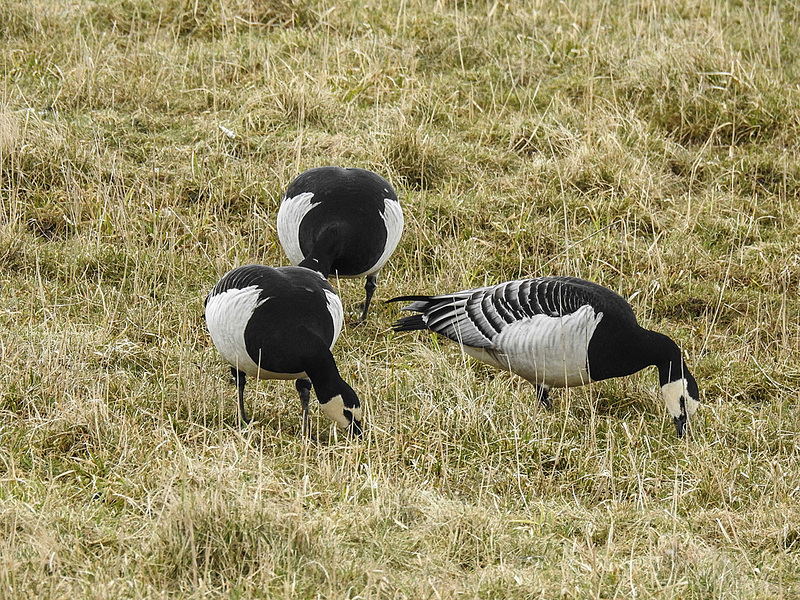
(144, 148)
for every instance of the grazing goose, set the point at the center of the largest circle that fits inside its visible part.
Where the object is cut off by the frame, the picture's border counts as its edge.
(345, 222)
(281, 323)
(556, 332)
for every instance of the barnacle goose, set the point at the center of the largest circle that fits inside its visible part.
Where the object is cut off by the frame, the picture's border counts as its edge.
(342, 222)
(556, 332)
(281, 323)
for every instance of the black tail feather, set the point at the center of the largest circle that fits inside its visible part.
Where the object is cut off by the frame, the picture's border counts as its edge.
(409, 299)
(412, 323)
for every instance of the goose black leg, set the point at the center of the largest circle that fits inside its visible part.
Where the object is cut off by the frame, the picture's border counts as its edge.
(303, 387)
(543, 394)
(239, 379)
(372, 283)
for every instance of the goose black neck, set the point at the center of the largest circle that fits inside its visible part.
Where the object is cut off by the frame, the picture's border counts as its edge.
(326, 249)
(323, 267)
(325, 377)
(666, 355)
(616, 351)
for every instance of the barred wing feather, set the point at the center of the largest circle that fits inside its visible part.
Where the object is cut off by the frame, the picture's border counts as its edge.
(475, 317)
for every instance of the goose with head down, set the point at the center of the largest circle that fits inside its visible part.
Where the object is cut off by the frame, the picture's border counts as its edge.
(342, 222)
(281, 323)
(556, 332)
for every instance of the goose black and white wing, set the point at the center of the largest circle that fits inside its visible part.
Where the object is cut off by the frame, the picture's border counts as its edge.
(477, 316)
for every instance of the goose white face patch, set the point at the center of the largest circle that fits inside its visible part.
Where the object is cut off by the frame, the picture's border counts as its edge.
(227, 315)
(290, 214)
(335, 409)
(673, 392)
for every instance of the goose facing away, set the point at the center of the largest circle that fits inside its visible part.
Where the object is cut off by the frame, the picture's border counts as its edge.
(556, 332)
(341, 221)
(281, 323)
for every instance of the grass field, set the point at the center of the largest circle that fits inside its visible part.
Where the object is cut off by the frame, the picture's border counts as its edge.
(144, 148)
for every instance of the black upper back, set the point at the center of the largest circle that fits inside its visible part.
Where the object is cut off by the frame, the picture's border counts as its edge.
(345, 186)
(293, 315)
(515, 300)
(274, 281)
(571, 293)
(345, 226)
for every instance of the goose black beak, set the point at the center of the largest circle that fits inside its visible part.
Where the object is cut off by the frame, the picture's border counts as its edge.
(680, 425)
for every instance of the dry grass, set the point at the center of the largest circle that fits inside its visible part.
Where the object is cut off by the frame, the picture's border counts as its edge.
(144, 147)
